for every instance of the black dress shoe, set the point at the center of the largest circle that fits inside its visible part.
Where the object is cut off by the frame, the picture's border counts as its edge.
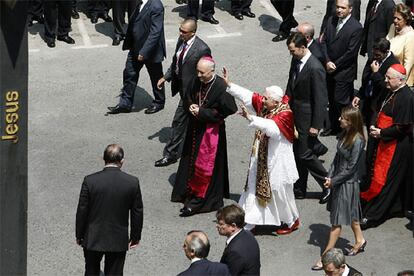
(299, 194)
(249, 14)
(40, 19)
(238, 16)
(116, 41)
(165, 161)
(94, 19)
(118, 109)
(153, 109)
(325, 196)
(67, 39)
(280, 36)
(51, 44)
(106, 17)
(211, 20)
(187, 212)
(74, 14)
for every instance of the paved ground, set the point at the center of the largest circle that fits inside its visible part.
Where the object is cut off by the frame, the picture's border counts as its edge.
(70, 88)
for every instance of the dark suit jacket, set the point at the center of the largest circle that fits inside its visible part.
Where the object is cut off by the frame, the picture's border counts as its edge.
(107, 198)
(378, 25)
(205, 267)
(331, 12)
(342, 48)
(308, 95)
(145, 33)
(353, 271)
(188, 69)
(317, 52)
(242, 255)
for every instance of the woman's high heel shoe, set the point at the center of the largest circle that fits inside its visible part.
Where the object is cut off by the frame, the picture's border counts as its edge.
(354, 252)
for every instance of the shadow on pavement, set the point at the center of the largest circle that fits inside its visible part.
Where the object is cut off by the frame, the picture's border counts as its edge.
(269, 23)
(319, 236)
(163, 135)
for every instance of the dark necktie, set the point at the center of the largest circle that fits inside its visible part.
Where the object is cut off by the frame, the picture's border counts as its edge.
(181, 57)
(297, 69)
(373, 9)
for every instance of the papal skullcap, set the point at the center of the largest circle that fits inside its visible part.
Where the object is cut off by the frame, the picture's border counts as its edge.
(399, 68)
(275, 92)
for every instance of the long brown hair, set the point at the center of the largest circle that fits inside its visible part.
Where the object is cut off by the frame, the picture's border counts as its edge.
(354, 117)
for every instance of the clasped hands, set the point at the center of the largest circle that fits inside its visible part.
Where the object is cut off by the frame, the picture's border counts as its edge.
(375, 132)
(328, 183)
(194, 109)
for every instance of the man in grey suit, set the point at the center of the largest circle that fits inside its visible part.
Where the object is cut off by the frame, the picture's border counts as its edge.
(196, 248)
(146, 44)
(182, 73)
(106, 200)
(307, 93)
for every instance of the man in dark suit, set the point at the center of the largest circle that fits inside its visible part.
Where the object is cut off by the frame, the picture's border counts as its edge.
(313, 45)
(378, 19)
(373, 90)
(57, 15)
(182, 73)
(307, 93)
(316, 50)
(119, 7)
(207, 10)
(331, 11)
(196, 248)
(240, 8)
(242, 253)
(106, 200)
(340, 44)
(285, 9)
(146, 44)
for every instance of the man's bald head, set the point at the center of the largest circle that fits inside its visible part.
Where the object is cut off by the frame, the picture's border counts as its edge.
(114, 154)
(196, 244)
(205, 69)
(307, 30)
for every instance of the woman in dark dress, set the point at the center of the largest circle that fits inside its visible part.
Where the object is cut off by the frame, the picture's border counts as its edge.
(343, 180)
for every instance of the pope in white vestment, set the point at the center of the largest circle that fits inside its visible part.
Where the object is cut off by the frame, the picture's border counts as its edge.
(274, 124)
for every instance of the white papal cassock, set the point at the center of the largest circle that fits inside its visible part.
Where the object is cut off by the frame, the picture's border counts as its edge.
(281, 168)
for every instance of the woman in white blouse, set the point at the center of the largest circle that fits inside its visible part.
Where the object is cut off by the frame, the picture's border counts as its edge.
(401, 37)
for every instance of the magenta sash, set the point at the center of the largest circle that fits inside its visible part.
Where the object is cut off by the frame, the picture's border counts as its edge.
(204, 165)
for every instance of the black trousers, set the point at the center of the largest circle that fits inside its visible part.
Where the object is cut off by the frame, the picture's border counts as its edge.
(35, 9)
(174, 146)
(307, 161)
(98, 7)
(119, 7)
(114, 262)
(239, 6)
(130, 80)
(57, 13)
(207, 8)
(285, 9)
(340, 94)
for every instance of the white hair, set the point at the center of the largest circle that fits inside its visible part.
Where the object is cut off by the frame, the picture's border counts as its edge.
(275, 92)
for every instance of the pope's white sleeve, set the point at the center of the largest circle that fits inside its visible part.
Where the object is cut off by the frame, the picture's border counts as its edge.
(267, 126)
(242, 94)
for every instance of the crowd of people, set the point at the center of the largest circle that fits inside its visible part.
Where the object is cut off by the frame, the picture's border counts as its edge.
(369, 181)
